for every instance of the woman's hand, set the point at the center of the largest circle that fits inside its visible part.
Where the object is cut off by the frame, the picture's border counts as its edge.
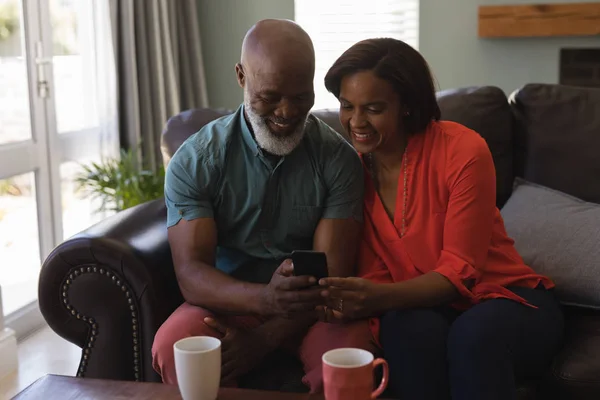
(351, 298)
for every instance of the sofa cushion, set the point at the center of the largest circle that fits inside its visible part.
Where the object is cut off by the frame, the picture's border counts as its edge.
(558, 138)
(331, 116)
(576, 367)
(485, 110)
(558, 236)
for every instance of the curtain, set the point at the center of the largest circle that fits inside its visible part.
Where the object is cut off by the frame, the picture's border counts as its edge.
(106, 84)
(159, 68)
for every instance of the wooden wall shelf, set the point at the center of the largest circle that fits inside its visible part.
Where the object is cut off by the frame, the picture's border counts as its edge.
(539, 20)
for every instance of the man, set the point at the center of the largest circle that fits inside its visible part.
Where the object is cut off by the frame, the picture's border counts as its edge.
(242, 194)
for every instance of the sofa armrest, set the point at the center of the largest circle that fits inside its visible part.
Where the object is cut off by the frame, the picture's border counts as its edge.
(109, 288)
(576, 368)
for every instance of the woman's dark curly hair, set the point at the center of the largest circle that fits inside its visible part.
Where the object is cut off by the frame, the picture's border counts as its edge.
(399, 64)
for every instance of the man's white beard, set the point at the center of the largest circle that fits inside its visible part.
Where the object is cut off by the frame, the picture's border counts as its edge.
(268, 141)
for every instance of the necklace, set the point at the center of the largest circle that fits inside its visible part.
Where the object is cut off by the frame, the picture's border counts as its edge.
(404, 190)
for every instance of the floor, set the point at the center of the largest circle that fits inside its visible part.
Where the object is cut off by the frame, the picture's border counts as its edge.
(42, 353)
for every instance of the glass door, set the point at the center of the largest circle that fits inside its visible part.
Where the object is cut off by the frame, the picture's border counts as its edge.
(26, 225)
(57, 110)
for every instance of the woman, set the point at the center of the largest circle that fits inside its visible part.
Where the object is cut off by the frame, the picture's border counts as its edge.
(461, 315)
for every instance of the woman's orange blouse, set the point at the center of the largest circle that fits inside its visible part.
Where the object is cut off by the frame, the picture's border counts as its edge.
(452, 227)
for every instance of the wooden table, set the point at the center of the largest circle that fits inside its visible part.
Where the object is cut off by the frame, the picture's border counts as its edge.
(55, 387)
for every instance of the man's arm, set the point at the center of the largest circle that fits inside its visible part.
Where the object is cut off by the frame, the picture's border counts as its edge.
(193, 245)
(192, 234)
(338, 239)
(189, 188)
(338, 232)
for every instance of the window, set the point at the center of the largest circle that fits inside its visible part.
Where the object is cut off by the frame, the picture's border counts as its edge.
(57, 110)
(335, 25)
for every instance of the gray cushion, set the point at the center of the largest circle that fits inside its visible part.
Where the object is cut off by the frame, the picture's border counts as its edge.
(558, 236)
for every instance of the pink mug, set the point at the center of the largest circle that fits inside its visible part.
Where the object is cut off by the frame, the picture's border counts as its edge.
(348, 374)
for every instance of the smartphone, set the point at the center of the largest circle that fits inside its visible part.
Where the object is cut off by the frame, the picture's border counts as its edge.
(312, 263)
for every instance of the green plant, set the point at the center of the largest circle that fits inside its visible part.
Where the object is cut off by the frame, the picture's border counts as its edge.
(10, 188)
(9, 19)
(120, 183)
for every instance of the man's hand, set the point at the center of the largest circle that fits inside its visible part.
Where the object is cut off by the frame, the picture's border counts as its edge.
(287, 295)
(241, 350)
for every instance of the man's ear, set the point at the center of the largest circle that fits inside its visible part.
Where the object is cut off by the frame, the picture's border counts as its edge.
(239, 73)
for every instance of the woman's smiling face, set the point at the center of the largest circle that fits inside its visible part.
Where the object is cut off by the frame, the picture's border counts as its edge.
(370, 111)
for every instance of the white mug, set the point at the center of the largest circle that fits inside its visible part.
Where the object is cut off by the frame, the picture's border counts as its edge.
(198, 367)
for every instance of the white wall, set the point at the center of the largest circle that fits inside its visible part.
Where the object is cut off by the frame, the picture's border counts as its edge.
(458, 57)
(223, 25)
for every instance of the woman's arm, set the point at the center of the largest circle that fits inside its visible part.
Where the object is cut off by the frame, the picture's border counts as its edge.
(470, 214)
(355, 298)
(468, 225)
(428, 290)
(466, 239)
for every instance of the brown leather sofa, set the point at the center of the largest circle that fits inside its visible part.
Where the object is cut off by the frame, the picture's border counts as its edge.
(110, 287)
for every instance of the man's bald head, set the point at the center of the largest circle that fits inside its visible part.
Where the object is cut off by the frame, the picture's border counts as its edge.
(276, 71)
(277, 42)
